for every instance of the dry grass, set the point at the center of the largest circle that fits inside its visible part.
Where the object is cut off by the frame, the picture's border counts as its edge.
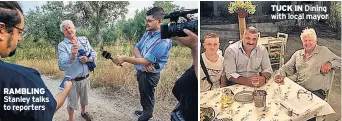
(108, 74)
(47, 67)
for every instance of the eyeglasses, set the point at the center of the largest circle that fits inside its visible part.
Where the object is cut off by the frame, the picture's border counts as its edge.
(304, 93)
(150, 21)
(21, 31)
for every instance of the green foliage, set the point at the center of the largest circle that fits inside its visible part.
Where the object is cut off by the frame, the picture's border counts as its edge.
(168, 6)
(335, 15)
(43, 23)
(101, 13)
(247, 5)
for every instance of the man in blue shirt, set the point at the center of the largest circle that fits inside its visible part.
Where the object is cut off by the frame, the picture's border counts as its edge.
(151, 49)
(18, 82)
(74, 64)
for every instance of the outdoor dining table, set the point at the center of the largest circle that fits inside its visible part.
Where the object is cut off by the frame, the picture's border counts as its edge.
(273, 111)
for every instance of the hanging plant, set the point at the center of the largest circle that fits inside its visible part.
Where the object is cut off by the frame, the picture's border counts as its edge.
(242, 8)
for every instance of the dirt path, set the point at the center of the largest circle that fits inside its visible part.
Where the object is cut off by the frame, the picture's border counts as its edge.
(107, 104)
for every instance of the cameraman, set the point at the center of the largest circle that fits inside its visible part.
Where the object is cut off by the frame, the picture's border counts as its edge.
(186, 89)
(17, 77)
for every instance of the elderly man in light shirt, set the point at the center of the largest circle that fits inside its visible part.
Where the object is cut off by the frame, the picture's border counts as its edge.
(312, 65)
(245, 61)
(73, 64)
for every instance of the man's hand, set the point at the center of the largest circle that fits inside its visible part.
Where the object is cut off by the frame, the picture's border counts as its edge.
(119, 60)
(83, 59)
(149, 68)
(67, 85)
(190, 41)
(258, 78)
(326, 67)
(74, 51)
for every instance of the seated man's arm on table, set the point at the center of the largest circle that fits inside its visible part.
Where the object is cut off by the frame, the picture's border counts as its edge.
(289, 68)
(266, 66)
(230, 68)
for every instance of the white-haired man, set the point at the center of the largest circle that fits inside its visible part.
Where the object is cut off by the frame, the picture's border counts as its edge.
(73, 63)
(312, 65)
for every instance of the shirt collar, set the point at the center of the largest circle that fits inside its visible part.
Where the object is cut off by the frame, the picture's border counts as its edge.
(154, 33)
(315, 51)
(66, 40)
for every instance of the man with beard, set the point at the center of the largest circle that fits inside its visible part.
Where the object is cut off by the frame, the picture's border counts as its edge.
(73, 63)
(15, 77)
(246, 61)
(213, 63)
(151, 49)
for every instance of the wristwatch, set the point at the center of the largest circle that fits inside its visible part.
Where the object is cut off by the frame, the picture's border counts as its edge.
(263, 76)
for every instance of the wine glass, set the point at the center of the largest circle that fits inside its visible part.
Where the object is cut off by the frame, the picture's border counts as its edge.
(277, 78)
(255, 83)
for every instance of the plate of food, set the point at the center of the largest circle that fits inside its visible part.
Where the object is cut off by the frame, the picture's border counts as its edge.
(207, 114)
(244, 97)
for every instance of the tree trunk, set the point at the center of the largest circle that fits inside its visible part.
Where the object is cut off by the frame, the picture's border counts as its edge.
(98, 36)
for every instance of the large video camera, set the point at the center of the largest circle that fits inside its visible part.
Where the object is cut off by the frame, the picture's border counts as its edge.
(175, 28)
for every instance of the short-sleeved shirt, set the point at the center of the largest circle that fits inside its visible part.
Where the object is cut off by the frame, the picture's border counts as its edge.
(308, 72)
(237, 63)
(13, 77)
(154, 49)
(75, 69)
(215, 71)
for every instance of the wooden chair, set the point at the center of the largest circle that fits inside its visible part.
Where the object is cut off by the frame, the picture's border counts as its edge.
(285, 37)
(331, 85)
(276, 52)
(328, 95)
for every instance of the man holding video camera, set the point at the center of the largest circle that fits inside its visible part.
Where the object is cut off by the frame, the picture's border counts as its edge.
(186, 89)
(16, 77)
(150, 53)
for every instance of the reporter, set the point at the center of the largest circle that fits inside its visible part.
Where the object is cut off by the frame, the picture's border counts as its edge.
(17, 77)
(185, 89)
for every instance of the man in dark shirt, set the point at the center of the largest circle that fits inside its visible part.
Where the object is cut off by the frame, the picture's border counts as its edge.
(186, 87)
(23, 94)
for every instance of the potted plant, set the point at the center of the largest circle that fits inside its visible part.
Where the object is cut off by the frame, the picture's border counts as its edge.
(242, 8)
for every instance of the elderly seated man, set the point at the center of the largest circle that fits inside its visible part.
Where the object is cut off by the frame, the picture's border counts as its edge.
(246, 62)
(312, 65)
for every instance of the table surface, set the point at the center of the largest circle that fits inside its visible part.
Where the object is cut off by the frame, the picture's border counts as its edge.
(273, 112)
